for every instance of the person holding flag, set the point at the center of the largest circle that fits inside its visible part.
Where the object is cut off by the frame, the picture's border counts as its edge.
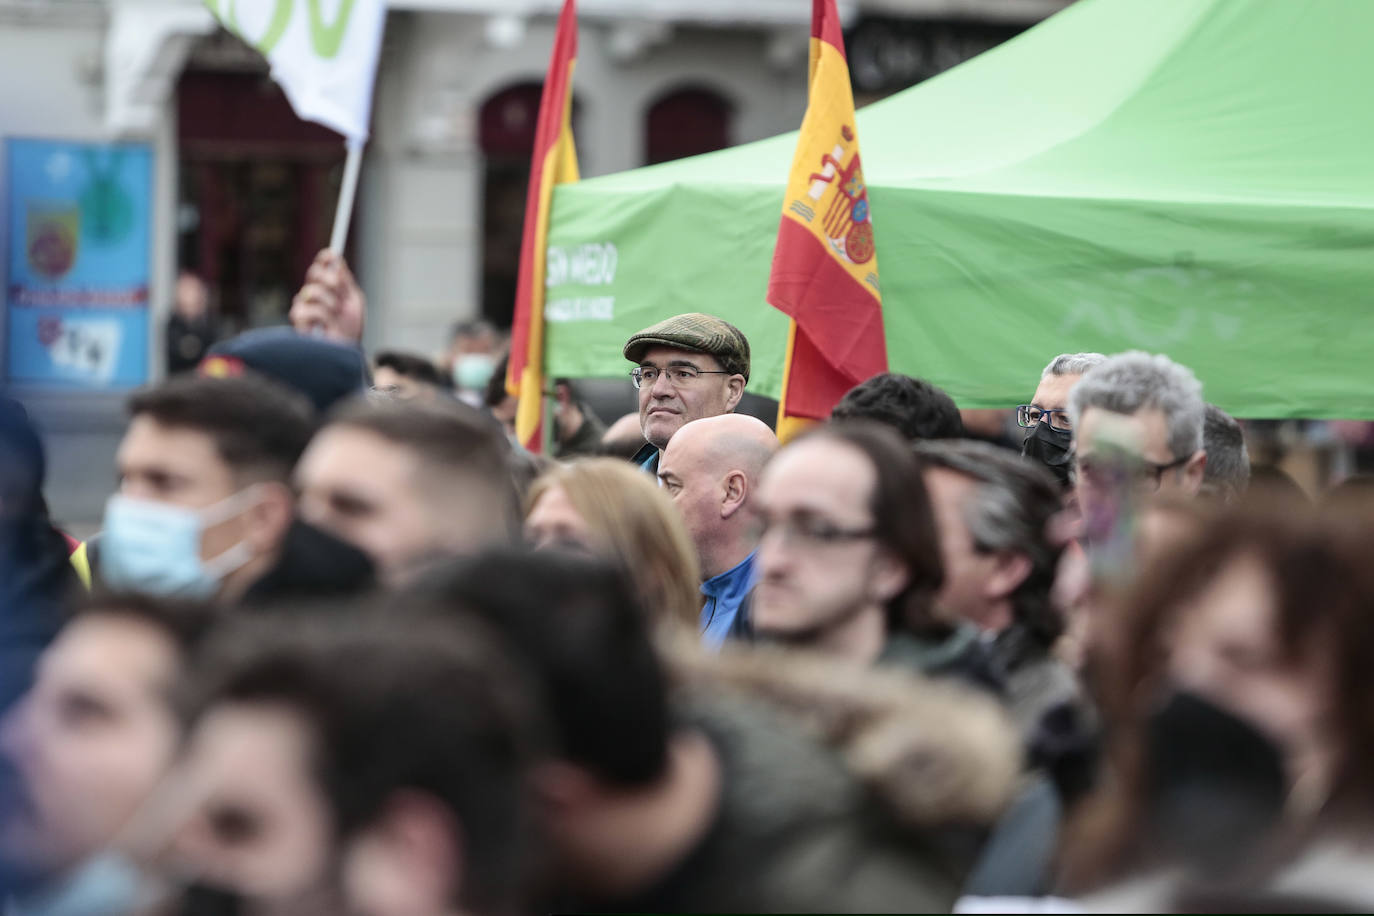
(825, 265)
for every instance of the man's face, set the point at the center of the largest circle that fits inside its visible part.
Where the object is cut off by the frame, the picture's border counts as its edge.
(969, 590)
(688, 476)
(89, 742)
(664, 407)
(368, 491)
(1104, 440)
(402, 387)
(179, 467)
(816, 563)
(253, 819)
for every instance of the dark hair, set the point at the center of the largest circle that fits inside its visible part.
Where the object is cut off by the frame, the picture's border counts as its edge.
(259, 428)
(473, 327)
(914, 407)
(1010, 510)
(902, 518)
(410, 365)
(188, 624)
(496, 385)
(574, 622)
(448, 436)
(1227, 472)
(1323, 588)
(429, 705)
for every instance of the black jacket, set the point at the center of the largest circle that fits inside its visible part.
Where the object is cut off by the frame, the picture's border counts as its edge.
(36, 579)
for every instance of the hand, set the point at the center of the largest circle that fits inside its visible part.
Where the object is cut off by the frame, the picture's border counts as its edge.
(330, 304)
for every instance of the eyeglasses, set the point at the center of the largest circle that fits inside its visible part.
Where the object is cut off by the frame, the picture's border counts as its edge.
(1029, 416)
(678, 376)
(1144, 475)
(810, 531)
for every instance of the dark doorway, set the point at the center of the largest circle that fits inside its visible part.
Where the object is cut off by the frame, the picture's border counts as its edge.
(686, 122)
(257, 193)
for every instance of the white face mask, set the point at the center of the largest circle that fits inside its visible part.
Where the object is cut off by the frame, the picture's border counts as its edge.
(151, 547)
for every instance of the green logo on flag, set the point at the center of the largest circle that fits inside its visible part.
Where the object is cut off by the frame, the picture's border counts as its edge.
(325, 38)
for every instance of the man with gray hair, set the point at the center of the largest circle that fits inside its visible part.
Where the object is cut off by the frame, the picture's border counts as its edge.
(1137, 422)
(1228, 460)
(1046, 418)
(992, 511)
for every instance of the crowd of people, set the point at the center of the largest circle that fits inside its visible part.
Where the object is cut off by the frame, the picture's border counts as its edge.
(341, 646)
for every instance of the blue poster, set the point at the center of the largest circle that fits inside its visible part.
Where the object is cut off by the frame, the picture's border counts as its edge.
(79, 239)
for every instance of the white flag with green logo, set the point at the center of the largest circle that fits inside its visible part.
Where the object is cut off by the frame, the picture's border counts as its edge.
(323, 53)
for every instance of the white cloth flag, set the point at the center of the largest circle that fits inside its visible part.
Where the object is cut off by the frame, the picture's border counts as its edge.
(323, 53)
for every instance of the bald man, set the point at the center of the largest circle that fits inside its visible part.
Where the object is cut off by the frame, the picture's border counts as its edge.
(710, 468)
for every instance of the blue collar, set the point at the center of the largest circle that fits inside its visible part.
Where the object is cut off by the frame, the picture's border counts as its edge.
(733, 584)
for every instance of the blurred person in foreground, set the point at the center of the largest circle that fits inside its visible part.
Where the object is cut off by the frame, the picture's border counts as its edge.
(606, 507)
(84, 751)
(994, 511)
(409, 483)
(710, 470)
(204, 507)
(343, 763)
(1049, 436)
(748, 783)
(1140, 416)
(912, 406)
(687, 367)
(1227, 475)
(36, 578)
(1237, 691)
(406, 376)
(849, 562)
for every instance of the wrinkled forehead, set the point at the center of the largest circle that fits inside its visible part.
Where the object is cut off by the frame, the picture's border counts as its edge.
(1053, 391)
(663, 357)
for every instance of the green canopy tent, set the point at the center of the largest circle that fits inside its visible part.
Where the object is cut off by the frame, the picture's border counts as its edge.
(1194, 177)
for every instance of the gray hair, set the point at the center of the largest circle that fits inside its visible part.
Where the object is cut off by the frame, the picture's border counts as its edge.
(1130, 382)
(1009, 510)
(1227, 473)
(1072, 364)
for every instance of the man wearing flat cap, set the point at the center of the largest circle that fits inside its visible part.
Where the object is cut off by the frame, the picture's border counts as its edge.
(687, 367)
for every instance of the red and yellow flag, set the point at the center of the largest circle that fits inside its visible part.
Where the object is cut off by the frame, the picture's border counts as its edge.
(554, 162)
(825, 269)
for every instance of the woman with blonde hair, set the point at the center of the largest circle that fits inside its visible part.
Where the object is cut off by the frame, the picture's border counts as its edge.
(615, 510)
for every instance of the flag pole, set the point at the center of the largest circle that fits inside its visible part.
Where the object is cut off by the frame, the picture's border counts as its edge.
(344, 213)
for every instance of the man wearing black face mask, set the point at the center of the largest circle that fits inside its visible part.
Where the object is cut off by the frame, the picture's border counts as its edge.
(1049, 435)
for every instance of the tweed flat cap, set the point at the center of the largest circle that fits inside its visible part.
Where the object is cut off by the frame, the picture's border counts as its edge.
(695, 331)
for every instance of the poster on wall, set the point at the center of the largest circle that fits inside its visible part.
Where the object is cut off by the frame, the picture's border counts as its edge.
(79, 238)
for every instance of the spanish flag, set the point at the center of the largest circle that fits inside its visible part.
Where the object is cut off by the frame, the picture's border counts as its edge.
(825, 270)
(554, 162)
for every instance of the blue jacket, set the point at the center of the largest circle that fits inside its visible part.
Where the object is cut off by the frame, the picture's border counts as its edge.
(726, 611)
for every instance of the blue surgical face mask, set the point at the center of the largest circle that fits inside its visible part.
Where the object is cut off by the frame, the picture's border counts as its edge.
(152, 547)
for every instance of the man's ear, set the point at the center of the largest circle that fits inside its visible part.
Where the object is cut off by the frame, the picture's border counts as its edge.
(1193, 472)
(734, 392)
(736, 487)
(269, 517)
(1009, 570)
(410, 860)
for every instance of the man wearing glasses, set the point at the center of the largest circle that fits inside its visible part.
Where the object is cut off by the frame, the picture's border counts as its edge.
(1049, 435)
(1137, 421)
(687, 367)
(849, 563)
